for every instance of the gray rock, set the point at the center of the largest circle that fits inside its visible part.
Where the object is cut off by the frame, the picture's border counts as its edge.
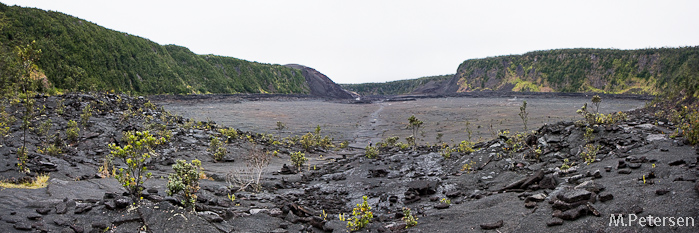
(257, 211)
(573, 214)
(624, 171)
(590, 186)
(606, 197)
(492, 225)
(554, 222)
(210, 216)
(574, 195)
(424, 187)
(441, 206)
(22, 226)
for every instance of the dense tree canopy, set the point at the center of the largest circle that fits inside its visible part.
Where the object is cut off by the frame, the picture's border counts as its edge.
(80, 55)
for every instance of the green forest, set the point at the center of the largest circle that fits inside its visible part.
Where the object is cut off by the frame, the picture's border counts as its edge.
(395, 87)
(643, 71)
(77, 55)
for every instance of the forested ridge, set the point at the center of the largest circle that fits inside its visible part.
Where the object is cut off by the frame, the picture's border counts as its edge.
(79, 55)
(642, 71)
(398, 87)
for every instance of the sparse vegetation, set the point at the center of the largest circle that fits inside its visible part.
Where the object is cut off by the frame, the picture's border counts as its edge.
(446, 151)
(40, 181)
(361, 216)
(408, 218)
(85, 115)
(565, 166)
(589, 153)
(310, 141)
(256, 162)
(72, 132)
(229, 133)
(217, 150)
(138, 148)
(523, 114)
(468, 167)
(185, 180)
(298, 159)
(371, 152)
(280, 126)
(414, 124)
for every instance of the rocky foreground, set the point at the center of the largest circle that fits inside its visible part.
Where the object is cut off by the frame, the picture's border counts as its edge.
(638, 172)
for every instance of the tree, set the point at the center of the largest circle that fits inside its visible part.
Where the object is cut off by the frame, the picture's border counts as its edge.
(139, 146)
(28, 56)
(524, 114)
(414, 124)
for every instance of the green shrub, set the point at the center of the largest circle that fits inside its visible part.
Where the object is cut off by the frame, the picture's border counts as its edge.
(229, 133)
(307, 141)
(72, 132)
(446, 151)
(690, 128)
(217, 150)
(465, 147)
(565, 166)
(44, 128)
(86, 114)
(523, 114)
(138, 148)
(280, 126)
(371, 152)
(408, 218)
(344, 144)
(589, 134)
(298, 159)
(589, 153)
(185, 180)
(22, 157)
(60, 108)
(414, 125)
(361, 215)
(403, 146)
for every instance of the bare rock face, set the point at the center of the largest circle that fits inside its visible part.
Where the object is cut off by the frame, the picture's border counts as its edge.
(320, 85)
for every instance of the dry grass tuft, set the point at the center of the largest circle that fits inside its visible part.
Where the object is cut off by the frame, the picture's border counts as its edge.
(40, 182)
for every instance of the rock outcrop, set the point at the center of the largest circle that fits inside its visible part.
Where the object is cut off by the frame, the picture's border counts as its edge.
(320, 85)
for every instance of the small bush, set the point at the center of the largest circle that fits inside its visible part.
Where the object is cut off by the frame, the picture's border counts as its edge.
(86, 114)
(138, 148)
(280, 126)
(414, 124)
(22, 157)
(344, 144)
(185, 180)
(72, 132)
(445, 201)
(468, 167)
(523, 114)
(215, 147)
(298, 159)
(44, 128)
(361, 215)
(589, 153)
(465, 147)
(371, 152)
(408, 218)
(229, 133)
(589, 134)
(565, 166)
(446, 151)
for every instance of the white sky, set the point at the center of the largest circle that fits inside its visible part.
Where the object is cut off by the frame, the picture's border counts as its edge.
(375, 41)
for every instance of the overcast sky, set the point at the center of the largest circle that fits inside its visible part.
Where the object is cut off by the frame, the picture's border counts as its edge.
(376, 41)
